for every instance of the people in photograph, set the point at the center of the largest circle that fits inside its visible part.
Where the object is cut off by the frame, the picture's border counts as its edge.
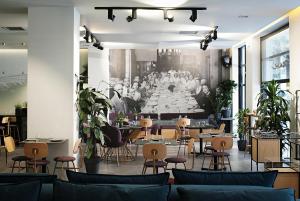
(118, 104)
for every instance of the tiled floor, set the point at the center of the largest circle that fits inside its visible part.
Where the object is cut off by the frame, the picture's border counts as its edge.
(238, 162)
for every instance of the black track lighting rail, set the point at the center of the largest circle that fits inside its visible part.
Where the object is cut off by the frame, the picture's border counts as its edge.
(212, 35)
(133, 16)
(151, 8)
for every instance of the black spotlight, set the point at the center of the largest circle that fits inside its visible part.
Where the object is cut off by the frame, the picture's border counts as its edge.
(215, 34)
(111, 15)
(100, 47)
(193, 17)
(166, 17)
(87, 36)
(203, 45)
(133, 15)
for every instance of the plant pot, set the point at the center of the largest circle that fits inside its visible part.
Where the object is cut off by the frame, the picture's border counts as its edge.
(218, 116)
(92, 165)
(242, 145)
(226, 113)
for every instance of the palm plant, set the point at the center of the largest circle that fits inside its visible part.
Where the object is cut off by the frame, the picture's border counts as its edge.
(242, 127)
(273, 109)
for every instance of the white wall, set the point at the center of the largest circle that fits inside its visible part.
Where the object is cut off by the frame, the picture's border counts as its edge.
(12, 89)
(53, 61)
(294, 23)
(98, 71)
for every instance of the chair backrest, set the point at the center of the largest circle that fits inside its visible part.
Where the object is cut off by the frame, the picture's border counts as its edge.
(76, 147)
(36, 150)
(222, 127)
(112, 136)
(12, 119)
(9, 144)
(5, 120)
(183, 122)
(154, 151)
(222, 143)
(146, 123)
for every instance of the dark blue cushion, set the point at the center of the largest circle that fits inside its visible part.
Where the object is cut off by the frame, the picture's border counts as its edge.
(94, 192)
(27, 177)
(174, 196)
(82, 178)
(20, 192)
(241, 195)
(225, 178)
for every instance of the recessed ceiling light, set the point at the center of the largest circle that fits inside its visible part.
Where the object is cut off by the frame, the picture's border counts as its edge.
(243, 16)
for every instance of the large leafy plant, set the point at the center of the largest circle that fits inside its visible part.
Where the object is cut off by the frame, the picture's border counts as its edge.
(242, 125)
(273, 109)
(93, 107)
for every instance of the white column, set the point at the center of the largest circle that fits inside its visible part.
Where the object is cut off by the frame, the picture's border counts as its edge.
(252, 72)
(53, 61)
(294, 23)
(98, 69)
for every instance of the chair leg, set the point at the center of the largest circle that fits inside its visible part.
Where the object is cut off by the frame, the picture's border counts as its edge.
(74, 167)
(229, 163)
(118, 156)
(184, 166)
(12, 169)
(55, 167)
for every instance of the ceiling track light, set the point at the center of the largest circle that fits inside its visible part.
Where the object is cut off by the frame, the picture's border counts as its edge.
(215, 33)
(91, 38)
(110, 14)
(133, 15)
(167, 16)
(194, 15)
(212, 35)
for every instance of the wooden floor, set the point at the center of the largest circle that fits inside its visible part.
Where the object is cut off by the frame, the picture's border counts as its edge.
(238, 162)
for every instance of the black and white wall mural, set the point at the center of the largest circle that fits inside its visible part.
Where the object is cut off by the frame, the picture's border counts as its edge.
(164, 80)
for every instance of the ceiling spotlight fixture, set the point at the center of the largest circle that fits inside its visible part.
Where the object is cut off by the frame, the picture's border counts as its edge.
(91, 38)
(167, 16)
(133, 15)
(23, 43)
(2, 43)
(194, 16)
(212, 35)
(215, 33)
(111, 15)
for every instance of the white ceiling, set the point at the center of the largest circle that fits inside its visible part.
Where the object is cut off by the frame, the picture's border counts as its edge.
(150, 30)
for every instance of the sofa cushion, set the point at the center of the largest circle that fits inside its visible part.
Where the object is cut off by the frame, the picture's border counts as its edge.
(174, 196)
(24, 191)
(96, 192)
(241, 195)
(82, 178)
(26, 177)
(225, 178)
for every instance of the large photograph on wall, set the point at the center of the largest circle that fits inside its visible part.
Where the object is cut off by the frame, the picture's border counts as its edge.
(163, 80)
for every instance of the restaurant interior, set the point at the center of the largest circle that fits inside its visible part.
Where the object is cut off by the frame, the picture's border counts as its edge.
(153, 100)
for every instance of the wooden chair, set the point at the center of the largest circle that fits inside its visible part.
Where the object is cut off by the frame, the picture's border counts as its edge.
(146, 124)
(10, 148)
(220, 145)
(2, 129)
(12, 126)
(67, 159)
(154, 154)
(37, 152)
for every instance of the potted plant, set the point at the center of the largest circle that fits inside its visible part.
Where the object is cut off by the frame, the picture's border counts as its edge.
(224, 93)
(242, 128)
(93, 107)
(273, 109)
(120, 119)
(18, 109)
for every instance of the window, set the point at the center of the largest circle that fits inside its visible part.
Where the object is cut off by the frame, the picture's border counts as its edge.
(275, 56)
(242, 77)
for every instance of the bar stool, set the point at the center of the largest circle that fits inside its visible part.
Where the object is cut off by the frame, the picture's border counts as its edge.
(37, 152)
(10, 148)
(2, 129)
(68, 159)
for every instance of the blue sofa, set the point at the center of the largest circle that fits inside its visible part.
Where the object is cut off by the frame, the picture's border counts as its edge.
(155, 187)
